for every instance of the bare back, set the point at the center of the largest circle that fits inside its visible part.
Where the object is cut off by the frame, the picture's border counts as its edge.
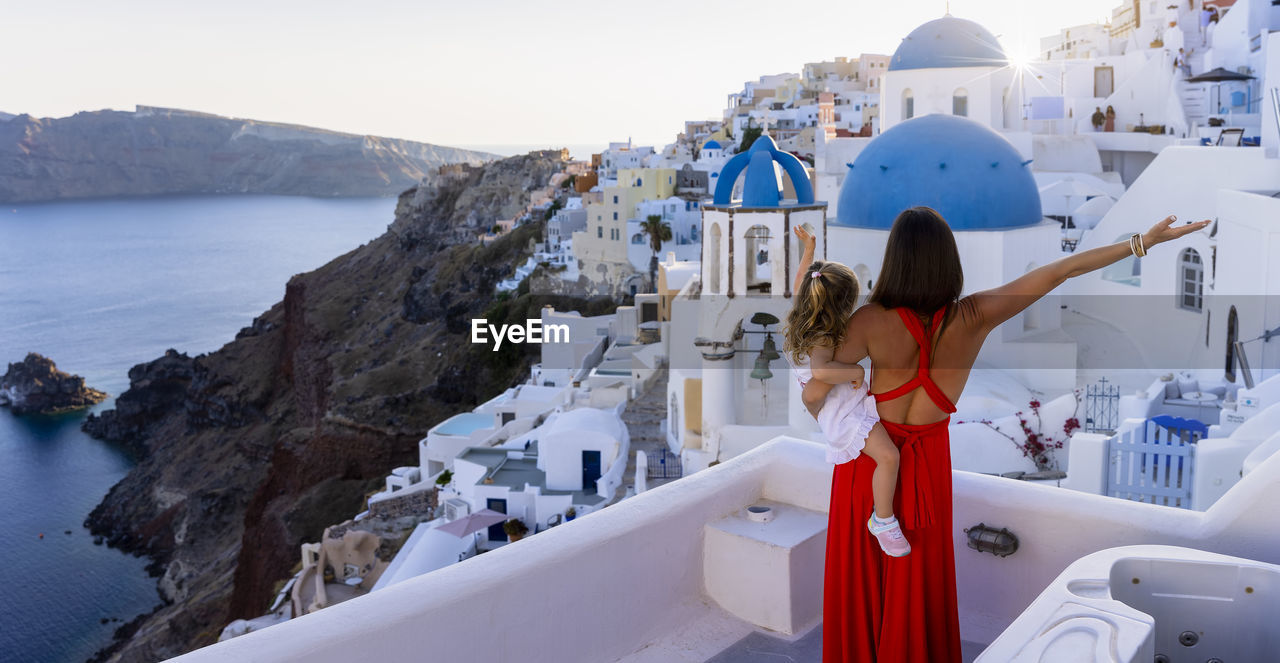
(881, 334)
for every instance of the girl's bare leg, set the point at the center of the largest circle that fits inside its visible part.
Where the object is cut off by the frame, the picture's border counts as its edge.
(885, 477)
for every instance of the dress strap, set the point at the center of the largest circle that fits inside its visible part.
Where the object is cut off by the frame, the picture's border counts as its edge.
(923, 339)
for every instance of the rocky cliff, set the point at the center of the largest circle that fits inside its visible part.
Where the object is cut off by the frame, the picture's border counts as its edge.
(35, 385)
(252, 450)
(155, 151)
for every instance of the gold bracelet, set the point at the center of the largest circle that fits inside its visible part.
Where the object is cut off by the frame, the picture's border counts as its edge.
(1135, 245)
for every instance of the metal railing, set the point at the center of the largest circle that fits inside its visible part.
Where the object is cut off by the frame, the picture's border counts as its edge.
(1101, 407)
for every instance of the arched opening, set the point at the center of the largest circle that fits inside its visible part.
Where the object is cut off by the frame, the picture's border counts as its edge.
(864, 280)
(759, 272)
(797, 249)
(673, 422)
(1128, 271)
(637, 238)
(1190, 281)
(908, 104)
(713, 258)
(1005, 111)
(1233, 334)
(960, 102)
(1031, 316)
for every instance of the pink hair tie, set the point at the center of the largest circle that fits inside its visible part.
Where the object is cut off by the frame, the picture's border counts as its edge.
(814, 275)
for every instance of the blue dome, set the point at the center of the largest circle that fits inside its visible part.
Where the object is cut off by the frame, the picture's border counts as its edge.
(760, 189)
(712, 145)
(948, 42)
(970, 174)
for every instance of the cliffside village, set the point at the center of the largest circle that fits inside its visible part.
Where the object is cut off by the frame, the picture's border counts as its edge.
(695, 237)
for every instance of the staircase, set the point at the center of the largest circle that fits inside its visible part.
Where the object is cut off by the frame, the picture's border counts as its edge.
(645, 418)
(1194, 96)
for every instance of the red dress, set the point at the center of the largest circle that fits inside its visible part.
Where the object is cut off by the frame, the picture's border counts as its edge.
(883, 609)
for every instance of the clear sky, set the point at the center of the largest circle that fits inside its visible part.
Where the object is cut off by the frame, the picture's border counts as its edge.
(460, 73)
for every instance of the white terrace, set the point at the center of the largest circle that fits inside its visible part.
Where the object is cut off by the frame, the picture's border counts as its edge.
(678, 573)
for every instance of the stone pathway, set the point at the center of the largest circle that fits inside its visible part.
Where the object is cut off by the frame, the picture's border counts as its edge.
(644, 418)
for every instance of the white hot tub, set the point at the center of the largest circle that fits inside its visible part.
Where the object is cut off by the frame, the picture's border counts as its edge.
(1149, 603)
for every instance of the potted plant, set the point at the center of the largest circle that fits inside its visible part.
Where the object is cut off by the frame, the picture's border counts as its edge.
(515, 529)
(444, 478)
(570, 513)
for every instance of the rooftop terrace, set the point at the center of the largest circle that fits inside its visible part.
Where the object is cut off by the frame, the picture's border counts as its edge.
(641, 581)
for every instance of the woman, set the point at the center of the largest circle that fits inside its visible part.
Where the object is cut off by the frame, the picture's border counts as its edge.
(1110, 124)
(922, 338)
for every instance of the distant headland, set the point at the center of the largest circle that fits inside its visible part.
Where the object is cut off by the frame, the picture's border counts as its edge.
(36, 386)
(163, 151)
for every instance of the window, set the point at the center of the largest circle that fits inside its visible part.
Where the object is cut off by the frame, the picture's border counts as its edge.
(674, 413)
(637, 238)
(615, 216)
(960, 102)
(1031, 314)
(759, 271)
(1128, 271)
(1233, 332)
(599, 232)
(908, 105)
(1190, 281)
(615, 200)
(713, 259)
(639, 182)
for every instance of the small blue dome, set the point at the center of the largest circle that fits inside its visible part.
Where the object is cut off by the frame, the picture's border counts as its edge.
(948, 42)
(712, 145)
(970, 174)
(760, 189)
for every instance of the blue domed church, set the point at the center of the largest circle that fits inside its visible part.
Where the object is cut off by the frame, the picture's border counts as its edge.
(952, 66)
(984, 189)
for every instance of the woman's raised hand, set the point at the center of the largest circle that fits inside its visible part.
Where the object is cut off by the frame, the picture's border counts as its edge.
(1165, 230)
(806, 238)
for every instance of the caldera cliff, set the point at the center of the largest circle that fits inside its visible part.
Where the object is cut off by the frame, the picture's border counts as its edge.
(250, 451)
(159, 151)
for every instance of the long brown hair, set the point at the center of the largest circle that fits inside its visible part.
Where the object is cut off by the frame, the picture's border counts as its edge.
(822, 308)
(921, 267)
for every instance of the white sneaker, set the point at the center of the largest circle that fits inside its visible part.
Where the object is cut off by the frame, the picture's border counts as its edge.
(892, 541)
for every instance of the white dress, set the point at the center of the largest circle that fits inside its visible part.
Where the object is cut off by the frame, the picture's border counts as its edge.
(846, 417)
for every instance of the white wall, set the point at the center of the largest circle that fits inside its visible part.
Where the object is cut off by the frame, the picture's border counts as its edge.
(1271, 81)
(560, 456)
(1184, 181)
(933, 90)
(583, 566)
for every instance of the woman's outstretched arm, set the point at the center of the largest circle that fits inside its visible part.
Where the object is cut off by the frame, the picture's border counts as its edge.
(996, 305)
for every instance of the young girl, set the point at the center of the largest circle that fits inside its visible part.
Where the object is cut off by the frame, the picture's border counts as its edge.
(835, 393)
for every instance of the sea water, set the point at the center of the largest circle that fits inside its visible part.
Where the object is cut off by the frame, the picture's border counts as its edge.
(99, 286)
